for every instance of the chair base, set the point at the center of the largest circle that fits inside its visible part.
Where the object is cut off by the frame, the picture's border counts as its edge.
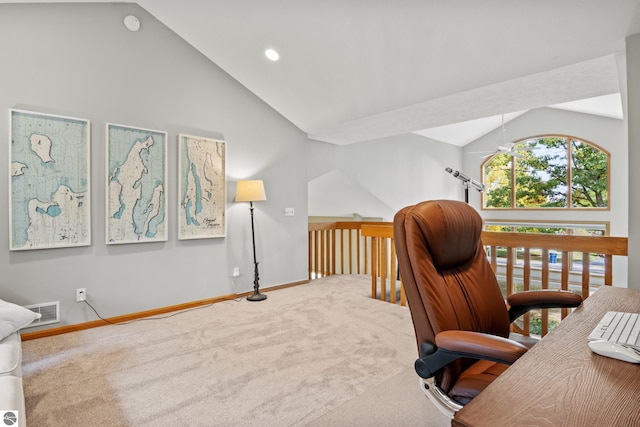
(444, 403)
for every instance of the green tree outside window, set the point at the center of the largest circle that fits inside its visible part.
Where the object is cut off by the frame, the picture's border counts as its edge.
(548, 172)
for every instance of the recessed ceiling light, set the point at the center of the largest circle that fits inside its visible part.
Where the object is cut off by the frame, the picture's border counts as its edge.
(272, 54)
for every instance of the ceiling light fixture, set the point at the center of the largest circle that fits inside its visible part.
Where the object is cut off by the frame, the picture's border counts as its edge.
(272, 54)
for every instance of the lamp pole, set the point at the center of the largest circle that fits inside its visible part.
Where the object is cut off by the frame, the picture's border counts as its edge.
(256, 296)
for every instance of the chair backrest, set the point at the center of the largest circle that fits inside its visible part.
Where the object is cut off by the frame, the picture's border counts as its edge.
(447, 278)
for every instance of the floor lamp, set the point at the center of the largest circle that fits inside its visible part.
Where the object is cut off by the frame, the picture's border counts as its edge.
(252, 191)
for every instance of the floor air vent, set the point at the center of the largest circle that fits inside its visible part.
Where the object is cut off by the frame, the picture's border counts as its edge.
(50, 312)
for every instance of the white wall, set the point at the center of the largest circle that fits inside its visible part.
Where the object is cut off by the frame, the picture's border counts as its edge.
(79, 60)
(378, 178)
(633, 108)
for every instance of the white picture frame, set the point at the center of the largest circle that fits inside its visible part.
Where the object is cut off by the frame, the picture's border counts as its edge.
(136, 185)
(50, 181)
(202, 187)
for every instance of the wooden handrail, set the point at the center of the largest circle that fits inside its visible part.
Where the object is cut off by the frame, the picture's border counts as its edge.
(370, 246)
(559, 242)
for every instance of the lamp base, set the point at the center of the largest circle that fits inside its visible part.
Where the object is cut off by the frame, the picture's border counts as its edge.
(257, 296)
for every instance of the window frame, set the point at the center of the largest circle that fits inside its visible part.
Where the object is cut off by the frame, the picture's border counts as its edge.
(569, 206)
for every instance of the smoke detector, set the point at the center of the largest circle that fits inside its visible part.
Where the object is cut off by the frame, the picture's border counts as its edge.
(132, 23)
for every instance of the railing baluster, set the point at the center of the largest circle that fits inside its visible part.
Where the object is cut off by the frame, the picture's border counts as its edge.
(585, 273)
(315, 253)
(309, 254)
(526, 285)
(392, 272)
(332, 257)
(494, 259)
(322, 253)
(564, 278)
(510, 257)
(374, 271)
(366, 259)
(319, 251)
(608, 270)
(383, 268)
(545, 285)
(350, 251)
(340, 245)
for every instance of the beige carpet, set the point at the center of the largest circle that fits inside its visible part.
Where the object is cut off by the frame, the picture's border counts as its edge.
(321, 354)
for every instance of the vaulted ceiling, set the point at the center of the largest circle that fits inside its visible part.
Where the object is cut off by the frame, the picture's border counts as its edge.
(357, 70)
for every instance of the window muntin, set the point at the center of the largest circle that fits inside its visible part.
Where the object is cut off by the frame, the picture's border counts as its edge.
(549, 172)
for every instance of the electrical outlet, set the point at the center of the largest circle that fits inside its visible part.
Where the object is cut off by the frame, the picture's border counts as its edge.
(81, 294)
(236, 271)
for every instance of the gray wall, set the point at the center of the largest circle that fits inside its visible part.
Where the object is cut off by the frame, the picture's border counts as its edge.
(80, 61)
(633, 108)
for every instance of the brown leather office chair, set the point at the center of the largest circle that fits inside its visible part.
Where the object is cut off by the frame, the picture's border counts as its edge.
(459, 315)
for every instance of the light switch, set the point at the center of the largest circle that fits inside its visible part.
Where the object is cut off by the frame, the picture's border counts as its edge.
(289, 212)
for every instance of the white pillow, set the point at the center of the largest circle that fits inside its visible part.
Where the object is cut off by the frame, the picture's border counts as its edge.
(14, 317)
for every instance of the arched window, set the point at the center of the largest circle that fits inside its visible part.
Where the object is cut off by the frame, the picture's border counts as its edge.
(547, 172)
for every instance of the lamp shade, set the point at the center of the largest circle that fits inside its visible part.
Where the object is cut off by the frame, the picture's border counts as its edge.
(250, 191)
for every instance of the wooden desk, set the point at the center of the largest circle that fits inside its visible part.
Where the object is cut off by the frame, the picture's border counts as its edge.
(560, 382)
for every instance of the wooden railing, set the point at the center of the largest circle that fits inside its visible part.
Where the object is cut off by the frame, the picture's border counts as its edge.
(565, 245)
(338, 248)
(368, 248)
(383, 263)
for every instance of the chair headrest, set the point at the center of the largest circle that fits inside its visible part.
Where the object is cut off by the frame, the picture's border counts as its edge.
(451, 230)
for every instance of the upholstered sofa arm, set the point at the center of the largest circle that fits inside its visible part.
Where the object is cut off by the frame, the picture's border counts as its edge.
(452, 345)
(521, 302)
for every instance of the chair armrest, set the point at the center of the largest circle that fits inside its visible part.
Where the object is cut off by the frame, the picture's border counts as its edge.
(480, 346)
(452, 345)
(521, 302)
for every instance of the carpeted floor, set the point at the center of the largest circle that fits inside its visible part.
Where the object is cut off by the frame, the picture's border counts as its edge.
(321, 354)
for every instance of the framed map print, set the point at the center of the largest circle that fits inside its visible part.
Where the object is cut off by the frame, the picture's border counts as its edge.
(202, 187)
(136, 185)
(50, 204)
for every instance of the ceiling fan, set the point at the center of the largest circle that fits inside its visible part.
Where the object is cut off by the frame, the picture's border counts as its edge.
(504, 146)
(510, 149)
